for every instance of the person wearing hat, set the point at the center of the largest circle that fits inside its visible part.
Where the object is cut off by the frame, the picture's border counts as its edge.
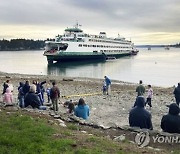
(171, 122)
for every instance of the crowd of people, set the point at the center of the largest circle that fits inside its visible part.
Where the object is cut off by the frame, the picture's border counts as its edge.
(33, 95)
(140, 117)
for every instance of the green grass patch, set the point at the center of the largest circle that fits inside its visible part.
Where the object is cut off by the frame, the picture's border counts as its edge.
(23, 134)
(29, 134)
(72, 127)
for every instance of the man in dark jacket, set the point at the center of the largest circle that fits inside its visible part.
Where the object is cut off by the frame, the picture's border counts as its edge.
(26, 87)
(32, 99)
(177, 94)
(171, 122)
(138, 116)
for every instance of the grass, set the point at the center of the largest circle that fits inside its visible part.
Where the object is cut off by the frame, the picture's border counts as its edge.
(26, 134)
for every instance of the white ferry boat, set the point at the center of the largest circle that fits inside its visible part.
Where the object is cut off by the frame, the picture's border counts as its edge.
(75, 45)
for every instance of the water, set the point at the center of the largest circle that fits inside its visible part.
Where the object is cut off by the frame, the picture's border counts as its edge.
(157, 67)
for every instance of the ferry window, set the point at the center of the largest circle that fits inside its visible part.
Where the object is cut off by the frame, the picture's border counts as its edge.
(94, 45)
(101, 46)
(80, 45)
(84, 45)
(95, 51)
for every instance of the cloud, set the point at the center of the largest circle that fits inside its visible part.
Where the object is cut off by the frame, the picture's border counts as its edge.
(126, 17)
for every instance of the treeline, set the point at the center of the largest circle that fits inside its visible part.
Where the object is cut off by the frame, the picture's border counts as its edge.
(21, 44)
(177, 45)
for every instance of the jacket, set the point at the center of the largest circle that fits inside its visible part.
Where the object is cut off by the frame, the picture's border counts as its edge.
(32, 99)
(140, 90)
(139, 117)
(171, 122)
(82, 111)
(108, 81)
(177, 92)
(8, 98)
(54, 92)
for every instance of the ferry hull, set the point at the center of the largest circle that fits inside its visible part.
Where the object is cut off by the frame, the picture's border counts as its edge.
(66, 57)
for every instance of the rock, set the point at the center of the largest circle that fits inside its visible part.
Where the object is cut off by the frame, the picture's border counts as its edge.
(83, 132)
(59, 120)
(67, 79)
(50, 121)
(52, 114)
(62, 124)
(56, 116)
(104, 127)
(120, 138)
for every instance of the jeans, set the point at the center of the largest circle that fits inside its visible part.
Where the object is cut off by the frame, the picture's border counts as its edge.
(21, 101)
(42, 107)
(55, 104)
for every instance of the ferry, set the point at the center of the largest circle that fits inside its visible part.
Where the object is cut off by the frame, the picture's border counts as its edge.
(75, 45)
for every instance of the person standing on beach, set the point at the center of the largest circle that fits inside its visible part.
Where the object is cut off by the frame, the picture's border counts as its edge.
(6, 85)
(149, 96)
(54, 95)
(140, 89)
(8, 97)
(177, 94)
(108, 84)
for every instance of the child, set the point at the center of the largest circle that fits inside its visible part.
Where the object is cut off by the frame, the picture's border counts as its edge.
(7, 99)
(70, 106)
(48, 93)
(104, 88)
(149, 97)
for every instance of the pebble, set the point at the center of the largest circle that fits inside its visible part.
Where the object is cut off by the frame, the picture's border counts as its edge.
(120, 138)
(62, 124)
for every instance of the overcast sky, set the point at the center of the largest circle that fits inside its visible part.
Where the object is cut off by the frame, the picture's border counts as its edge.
(142, 21)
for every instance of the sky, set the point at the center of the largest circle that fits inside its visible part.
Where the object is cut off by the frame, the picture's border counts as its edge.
(141, 21)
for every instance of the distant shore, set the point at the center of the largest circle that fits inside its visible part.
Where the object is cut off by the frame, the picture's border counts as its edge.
(105, 110)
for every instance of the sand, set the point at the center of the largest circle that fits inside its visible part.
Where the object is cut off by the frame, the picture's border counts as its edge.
(106, 110)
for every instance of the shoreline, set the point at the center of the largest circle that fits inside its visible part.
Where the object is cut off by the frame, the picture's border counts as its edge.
(107, 111)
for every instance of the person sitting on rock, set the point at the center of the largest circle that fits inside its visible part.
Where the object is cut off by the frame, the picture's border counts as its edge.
(171, 122)
(82, 109)
(139, 116)
(32, 99)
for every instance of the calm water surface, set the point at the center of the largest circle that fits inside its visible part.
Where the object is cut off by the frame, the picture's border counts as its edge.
(157, 67)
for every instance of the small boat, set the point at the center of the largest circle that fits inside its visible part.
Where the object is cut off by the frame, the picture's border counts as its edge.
(166, 48)
(134, 52)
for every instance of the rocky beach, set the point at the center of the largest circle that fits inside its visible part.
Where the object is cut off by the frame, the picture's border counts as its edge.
(105, 110)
